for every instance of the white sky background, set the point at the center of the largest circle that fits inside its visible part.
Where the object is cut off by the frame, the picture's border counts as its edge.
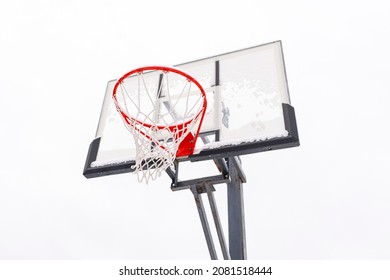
(328, 199)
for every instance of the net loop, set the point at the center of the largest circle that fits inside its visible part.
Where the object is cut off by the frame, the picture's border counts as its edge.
(164, 112)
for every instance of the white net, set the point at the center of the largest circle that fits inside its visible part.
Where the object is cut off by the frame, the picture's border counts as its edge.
(163, 110)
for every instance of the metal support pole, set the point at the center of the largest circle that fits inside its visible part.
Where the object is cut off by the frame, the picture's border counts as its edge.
(217, 222)
(236, 218)
(205, 224)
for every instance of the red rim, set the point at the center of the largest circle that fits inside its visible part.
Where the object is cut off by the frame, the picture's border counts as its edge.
(186, 148)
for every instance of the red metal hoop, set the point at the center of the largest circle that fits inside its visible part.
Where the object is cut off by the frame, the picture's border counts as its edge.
(186, 147)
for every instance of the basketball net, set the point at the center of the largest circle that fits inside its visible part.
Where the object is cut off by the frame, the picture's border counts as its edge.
(163, 108)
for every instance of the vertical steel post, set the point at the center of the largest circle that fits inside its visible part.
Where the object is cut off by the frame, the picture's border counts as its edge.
(236, 217)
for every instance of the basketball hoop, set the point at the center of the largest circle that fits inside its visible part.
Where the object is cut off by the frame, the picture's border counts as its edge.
(164, 113)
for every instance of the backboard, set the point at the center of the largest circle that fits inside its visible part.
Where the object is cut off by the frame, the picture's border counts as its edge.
(248, 111)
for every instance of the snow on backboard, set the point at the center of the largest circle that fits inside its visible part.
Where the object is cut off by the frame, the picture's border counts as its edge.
(248, 111)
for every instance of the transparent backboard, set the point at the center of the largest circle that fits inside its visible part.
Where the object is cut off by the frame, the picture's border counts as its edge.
(248, 111)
